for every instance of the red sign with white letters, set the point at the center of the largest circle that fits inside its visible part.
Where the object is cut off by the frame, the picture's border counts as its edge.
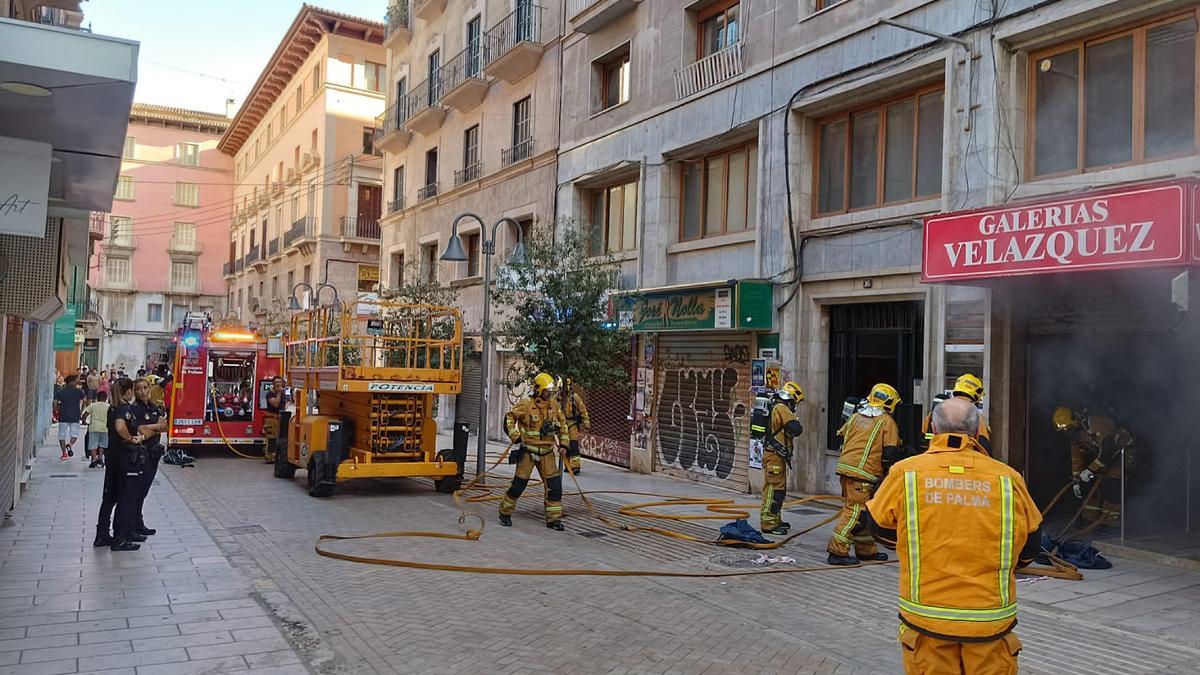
(1143, 226)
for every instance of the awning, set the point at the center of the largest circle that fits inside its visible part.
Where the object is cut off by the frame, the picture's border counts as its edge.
(1149, 225)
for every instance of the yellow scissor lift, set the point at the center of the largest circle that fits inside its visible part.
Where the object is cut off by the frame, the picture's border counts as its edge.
(364, 378)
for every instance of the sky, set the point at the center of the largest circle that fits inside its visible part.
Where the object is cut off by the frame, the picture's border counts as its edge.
(197, 53)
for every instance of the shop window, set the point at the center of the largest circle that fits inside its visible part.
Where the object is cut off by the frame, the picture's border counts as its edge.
(718, 27)
(719, 194)
(613, 219)
(1120, 98)
(888, 153)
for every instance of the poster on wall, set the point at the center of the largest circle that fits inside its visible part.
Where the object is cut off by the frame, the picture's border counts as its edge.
(758, 373)
(756, 454)
(774, 377)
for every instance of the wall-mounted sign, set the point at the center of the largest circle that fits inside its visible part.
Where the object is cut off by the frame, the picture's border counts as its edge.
(745, 305)
(24, 184)
(64, 330)
(368, 273)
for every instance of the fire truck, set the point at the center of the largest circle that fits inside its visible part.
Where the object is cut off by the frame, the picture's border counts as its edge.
(364, 379)
(221, 375)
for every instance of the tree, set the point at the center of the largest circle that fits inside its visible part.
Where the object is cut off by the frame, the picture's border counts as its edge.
(555, 310)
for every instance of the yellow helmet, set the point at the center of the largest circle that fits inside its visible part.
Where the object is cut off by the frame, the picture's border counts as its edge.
(970, 386)
(791, 391)
(542, 382)
(1064, 418)
(884, 396)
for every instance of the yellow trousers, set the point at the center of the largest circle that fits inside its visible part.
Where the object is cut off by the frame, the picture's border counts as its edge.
(774, 489)
(850, 528)
(925, 655)
(547, 468)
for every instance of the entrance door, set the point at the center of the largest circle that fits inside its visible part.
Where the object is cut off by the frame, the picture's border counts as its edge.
(370, 208)
(872, 343)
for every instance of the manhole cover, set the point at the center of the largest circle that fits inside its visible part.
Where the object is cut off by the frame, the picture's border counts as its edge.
(804, 511)
(592, 535)
(735, 560)
(247, 529)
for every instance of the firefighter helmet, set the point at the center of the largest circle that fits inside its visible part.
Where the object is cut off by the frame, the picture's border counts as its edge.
(884, 396)
(791, 391)
(542, 382)
(969, 386)
(1065, 418)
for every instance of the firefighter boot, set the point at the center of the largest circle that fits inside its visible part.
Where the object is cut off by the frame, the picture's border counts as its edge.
(844, 560)
(556, 525)
(506, 521)
(878, 556)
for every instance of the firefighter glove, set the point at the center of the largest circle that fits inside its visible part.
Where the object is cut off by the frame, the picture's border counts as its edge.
(1077, 488)
(1086, 476)
(549, 429)
(515, 456)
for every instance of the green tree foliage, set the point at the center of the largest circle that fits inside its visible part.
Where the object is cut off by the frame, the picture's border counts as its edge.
(555, 310)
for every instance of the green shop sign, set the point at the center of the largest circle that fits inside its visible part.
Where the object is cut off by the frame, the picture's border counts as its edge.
(744, 305)
(64, 331)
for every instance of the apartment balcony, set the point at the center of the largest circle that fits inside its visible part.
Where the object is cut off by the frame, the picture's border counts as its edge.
(239, 265)
(304, 228)
(273, 248)
(390, 134)
(360, 228)
(396, 205)
(262, 200)
(398, 22)
(709, 71)
(293, 175)
(179, 287)
(311, 160)
(462, 79)
(424, 107)
(227, 269)
(61, 18)
(517, 153)
(514, 46)
(277, 188)
(427, 192)
(120, 242)
(428, 10)
(183, 246)
(468, 173)
(97, 225)
(589, 16)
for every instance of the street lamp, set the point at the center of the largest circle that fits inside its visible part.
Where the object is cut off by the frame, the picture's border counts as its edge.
(455, 253)
(295, 304)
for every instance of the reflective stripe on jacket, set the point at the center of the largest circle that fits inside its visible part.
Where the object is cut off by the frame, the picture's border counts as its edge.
(524, 423)
(862, 449)
(961, 519)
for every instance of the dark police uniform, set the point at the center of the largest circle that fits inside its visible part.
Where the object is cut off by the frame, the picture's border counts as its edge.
(141, 464)
(145, 414)
(114, 472)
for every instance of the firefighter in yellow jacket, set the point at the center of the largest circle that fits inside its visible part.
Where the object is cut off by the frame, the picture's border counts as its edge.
(960, 522)
(1098, 449)
(971, 388)
(869, 440)
(537, 428)
(783, 427)
(576, 413)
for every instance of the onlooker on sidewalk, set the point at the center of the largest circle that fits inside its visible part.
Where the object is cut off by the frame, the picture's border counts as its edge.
(91, 382)
(69, 404)
(96, 419)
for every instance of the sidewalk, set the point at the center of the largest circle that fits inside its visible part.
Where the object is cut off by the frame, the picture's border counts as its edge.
(179, 605)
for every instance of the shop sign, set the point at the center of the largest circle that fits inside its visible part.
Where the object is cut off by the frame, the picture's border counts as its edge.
(369, 273)
(64, 331)
(747, 306)
(1135, 227)
(24, 175)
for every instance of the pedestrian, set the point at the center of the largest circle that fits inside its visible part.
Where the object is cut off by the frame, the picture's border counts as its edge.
(870, 439)
(105, 383)
(96, 419)
(536, 425)
(576, 413)
(69, 403)
(961, 522)
(114, 466)
(782, 430)
(92, 383)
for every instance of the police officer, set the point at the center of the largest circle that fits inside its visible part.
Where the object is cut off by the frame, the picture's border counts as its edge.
(576, 413)
(114, 463)
(1098, 449)
(537, 426)
(971, 388)
(122, 437)
(961, 523)
(870, 440)
(777, 455)
(151, 423)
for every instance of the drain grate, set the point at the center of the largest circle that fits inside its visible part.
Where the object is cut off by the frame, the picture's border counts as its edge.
(591, 534)
(247, 529)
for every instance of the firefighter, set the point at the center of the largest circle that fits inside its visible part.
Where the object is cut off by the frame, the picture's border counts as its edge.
(576, 413)
(971, 388)
(537, 427)
(782, 430)
(1098, 448)
(960, 522)
(277, 400)
(870, 440)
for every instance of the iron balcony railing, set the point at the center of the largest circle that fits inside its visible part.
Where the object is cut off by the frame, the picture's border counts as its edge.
(184, 245)
(253, 255)
(239, 264)
(523, 25)
(227, 268)
(97, 225)
(521, 151)
(425, 95)
(577, 7)
(397, 18)
(709, 71)
(184, 286)
(427, 192)
(273, 246)
(468, 173)
(359, 227)
(119, 240)
(62, 18)
(396, 205)
(304, 227)
(465, 65)
(392, 119)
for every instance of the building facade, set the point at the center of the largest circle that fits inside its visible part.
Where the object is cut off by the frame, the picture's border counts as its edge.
(65, 96)
(471, 127)
(165, 238)
(807, 144)
(308, 191)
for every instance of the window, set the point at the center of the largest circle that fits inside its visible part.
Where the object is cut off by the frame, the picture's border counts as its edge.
(312, 143)
(474, 46)
(279, 171)
(429, 262)
(269, 128)
(719, 194)
(521, 129)
(614, 219)
(253, 238)
(297, 100)
(825, 4)
(275, 286)
(187, 154)
(316, 78)
(614, 82)
(431, 167)
(368, 140)
(886, 154)
(178, 314)
(1121, 98)
(398, 184)
(120, 230)
(116, 271)
(184, 235)
(718, 27)
(124, 188)
(397, 270)
(130, 149)
(307, 274)
(471, 151)
(472, 242)
(257, 149)
(291, 281)
(187, 194)
(376, 76)
(154, 312)
(434, 83)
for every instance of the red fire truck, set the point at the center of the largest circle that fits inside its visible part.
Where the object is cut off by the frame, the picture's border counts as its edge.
(222, 372)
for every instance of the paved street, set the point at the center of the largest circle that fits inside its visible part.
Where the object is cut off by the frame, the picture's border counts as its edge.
(231, 582)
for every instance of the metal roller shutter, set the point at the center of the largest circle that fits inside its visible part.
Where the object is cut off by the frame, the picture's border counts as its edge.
(702, 416)
(608, 411)
(10, 398)
(466, 406)
(29, 441)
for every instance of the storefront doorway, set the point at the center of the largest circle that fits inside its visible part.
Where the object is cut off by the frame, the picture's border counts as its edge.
(871, 343)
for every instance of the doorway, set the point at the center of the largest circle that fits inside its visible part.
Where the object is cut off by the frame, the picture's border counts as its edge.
(871, 343)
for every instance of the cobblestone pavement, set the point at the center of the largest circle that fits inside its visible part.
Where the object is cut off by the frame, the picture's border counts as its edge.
(258, 532)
